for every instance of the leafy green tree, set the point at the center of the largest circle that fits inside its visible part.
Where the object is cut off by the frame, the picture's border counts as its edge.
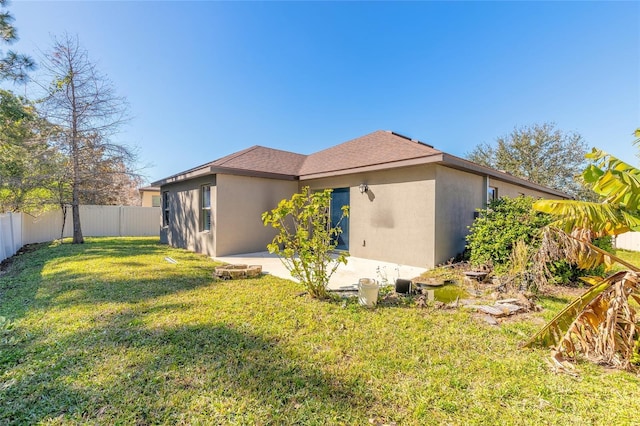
(28, 163)
(306, 238)
(539, 153)
(13, 66)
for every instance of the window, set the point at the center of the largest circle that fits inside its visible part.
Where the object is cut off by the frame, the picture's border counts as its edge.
(492, 194)
(155, 201)
(165, 208)
(205, 217)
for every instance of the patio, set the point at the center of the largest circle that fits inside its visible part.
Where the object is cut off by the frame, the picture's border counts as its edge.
(346, 276)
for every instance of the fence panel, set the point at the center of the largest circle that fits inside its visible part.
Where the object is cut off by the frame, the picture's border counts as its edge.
(140, 222)
(10, 234)
(96, 221)
(45, 227)
(6, 240)
(628, 241)
(103, 221)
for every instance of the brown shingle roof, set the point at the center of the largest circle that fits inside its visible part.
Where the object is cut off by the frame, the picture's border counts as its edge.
(262, 159)
(375, 151)
(377, 148)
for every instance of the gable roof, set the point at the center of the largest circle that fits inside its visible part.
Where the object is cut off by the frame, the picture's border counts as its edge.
(262, 159)
(255, 161)
(380, 148)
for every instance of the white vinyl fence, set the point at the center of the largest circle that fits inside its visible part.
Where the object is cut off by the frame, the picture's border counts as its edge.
(18, 229)
(628, 241)
(10, 234)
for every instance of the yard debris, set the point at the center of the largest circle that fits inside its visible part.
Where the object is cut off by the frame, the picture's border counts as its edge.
(506, 307)
(171, 260)
(490, 320)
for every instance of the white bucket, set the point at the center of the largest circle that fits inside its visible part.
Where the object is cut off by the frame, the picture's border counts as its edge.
(368, 292)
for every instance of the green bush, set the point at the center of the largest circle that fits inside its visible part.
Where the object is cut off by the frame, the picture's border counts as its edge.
(506, 221)
(498, 227)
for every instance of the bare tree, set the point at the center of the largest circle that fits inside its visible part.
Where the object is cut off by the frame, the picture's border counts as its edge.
(107, 177)
(83, 103)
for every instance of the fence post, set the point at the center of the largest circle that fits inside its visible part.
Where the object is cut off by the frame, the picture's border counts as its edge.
(120, 220)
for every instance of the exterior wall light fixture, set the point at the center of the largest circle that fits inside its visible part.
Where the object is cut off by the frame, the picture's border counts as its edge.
(363, 188)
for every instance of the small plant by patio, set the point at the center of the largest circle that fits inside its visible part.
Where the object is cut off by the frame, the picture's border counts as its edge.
(306, 238)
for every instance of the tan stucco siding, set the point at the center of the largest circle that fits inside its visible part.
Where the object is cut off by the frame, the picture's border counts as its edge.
(458, 195)
(240, 202)
(394, 220)
(184, 229)
(506, 189)
(147, 198)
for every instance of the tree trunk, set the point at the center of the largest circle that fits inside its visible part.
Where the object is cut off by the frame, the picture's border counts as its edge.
(75, 214)
(63, 207)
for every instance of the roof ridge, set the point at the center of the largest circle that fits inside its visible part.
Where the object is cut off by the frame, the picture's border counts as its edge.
(223, 160)
(409, 138)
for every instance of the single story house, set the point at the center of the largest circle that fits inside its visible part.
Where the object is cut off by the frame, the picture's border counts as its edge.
(410, 203)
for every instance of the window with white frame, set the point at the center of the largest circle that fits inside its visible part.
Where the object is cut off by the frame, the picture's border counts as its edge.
(156, 201)
(205, 197)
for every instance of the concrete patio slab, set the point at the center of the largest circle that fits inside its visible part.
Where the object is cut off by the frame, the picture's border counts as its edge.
(346, 276)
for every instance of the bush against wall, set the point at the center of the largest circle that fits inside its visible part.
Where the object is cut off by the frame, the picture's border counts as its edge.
(500, 226)
(506, 221)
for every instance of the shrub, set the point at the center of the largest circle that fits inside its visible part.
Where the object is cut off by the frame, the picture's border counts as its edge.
(505, 221)
(306, 238)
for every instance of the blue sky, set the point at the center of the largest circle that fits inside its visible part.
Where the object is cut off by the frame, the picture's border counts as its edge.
(205, 79)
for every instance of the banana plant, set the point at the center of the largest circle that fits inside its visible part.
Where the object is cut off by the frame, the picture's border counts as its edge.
(601, 323)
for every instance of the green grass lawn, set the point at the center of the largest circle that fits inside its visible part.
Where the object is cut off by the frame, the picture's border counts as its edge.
(110, 333)
(632, 257)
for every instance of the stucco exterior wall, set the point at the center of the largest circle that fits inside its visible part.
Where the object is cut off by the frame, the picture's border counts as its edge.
(506, 189)
(184, 216)
(394, 220)
(240, 202)
(458, 195)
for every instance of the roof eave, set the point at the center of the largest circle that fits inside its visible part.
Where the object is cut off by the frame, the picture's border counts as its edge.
(434, 158)
(193, 173)
(212, 170)
(252, 173)
(466, 165)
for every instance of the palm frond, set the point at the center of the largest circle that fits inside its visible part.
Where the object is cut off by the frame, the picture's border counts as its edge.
(576, 248)
(552, 333)
(618, 182)
(605, 331)
(600, 218)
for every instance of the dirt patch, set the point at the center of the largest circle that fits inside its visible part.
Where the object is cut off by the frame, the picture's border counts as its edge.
(563, 291)
(27, 248)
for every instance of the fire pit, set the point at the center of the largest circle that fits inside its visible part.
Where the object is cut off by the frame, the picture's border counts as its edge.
(236, 272)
